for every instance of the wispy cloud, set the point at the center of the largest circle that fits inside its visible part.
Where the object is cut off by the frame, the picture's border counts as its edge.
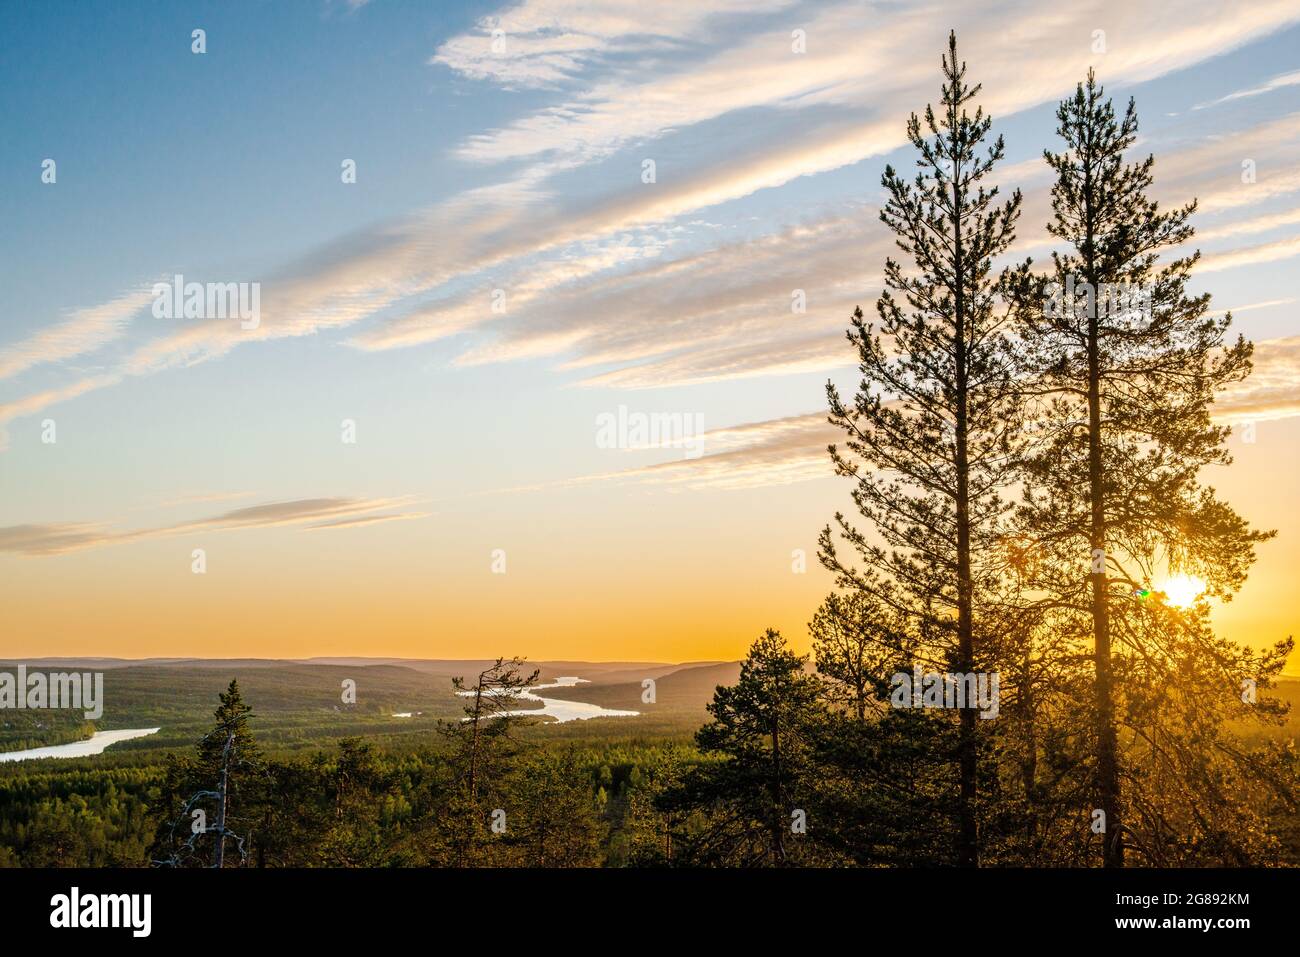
(793, 448)
(545, 43)
(39, 401)
(752, 454)
(1253, 306)
(857, 56)
(83, 332)
(1252, 255)
(577, 289)
(1273, 389)
(57, 538)
(369, 520)
(1276, 83)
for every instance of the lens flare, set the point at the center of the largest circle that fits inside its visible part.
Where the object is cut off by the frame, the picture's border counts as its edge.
(1182, 591)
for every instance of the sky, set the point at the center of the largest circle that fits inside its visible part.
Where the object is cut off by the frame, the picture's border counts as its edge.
(565, 216)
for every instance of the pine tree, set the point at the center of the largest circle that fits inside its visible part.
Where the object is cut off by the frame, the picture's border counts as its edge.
(858, 642)
(482, 757)
(492, 701)
(934, 423)
(224, 785)
(761, 727)
(1125, 364)
(232, 716)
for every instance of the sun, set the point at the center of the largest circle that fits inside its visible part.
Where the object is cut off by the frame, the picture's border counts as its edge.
(1182, 591)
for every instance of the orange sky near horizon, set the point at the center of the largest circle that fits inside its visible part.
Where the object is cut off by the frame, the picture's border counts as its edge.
(648, 575)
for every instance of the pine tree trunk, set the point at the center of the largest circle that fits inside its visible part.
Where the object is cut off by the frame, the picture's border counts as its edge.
(219, 852)
(1107, 759)
(968, 851)
(473, 744)
(1029, 765)
(778, 824)
(1107, 747)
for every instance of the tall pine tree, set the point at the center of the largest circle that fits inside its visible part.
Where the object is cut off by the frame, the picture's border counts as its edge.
(933, 425)
(1126, 363)
(215, 798)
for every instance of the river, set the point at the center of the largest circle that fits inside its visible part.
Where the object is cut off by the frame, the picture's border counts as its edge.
(562, 710)
(95, 744)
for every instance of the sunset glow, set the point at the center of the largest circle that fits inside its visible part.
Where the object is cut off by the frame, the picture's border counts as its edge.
(1182, 591)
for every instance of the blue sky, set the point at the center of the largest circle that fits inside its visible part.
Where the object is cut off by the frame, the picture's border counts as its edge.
(519, 169)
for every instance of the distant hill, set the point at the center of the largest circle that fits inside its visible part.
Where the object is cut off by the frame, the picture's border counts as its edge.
(549, 670)
(429, 665)
(686, 689)
(602, 671)
(637, 672)
(104, 664)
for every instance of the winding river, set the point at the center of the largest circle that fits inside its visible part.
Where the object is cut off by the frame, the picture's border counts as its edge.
(562, 710)
(95, 744)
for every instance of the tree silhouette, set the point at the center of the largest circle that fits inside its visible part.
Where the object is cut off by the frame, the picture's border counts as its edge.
(761, 727)
(934, 423)
(1123, 365)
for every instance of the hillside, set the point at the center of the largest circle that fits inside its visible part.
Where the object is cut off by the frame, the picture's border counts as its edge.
(685, 690)
(299, 704)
